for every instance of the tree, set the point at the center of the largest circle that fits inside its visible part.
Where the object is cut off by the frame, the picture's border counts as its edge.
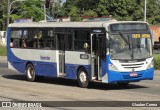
(119, 9)
(55, 8)
(75, 14)
(90, 13)
(153, 12)
(67, 7)
(102, 8)
(3, 16)
(31, 9)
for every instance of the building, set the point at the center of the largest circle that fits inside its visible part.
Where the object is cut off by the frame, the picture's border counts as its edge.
(156, 33)
(3, 38)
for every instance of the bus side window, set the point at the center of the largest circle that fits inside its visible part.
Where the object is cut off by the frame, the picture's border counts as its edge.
(46, 39)
(11, 43)
(81, 37)
(24, 43)
(15, 40)
(69, 41)
(49, 44)
(16, 43)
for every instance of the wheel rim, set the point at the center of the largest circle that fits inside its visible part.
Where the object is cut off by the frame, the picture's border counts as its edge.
(30, 72)
(83, 77)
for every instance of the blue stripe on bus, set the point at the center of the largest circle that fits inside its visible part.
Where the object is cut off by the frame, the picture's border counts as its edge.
(46, 69)
(72, 69)
(41, 68)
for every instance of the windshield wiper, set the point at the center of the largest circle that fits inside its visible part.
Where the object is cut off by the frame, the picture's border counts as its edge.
(122, 35)
(127, 42)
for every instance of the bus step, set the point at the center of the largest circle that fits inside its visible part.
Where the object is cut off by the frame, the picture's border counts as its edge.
(94, 78)
(62, 75)
(97, 80)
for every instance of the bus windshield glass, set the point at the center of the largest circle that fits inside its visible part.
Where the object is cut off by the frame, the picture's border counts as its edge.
(130, 46)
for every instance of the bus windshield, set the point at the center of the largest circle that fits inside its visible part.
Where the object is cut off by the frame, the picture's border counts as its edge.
(130, 46)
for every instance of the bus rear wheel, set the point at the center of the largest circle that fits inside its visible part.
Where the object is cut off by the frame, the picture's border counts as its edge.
(30, 72)
(82, 78)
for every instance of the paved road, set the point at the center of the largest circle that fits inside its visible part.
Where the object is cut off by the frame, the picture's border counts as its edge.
(14, 87)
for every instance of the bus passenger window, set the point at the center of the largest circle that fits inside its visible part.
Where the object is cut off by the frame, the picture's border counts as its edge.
(24, 43)
(80, 38)
(69, 41)
(35, 44)
(15, 38)
(11, 43)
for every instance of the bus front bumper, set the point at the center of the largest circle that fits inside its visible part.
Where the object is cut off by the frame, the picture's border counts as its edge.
(130, 76)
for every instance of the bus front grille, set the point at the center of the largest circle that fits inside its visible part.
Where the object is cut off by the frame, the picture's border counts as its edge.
(132, 65)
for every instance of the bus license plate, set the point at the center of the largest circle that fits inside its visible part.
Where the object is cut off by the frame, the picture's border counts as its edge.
(133, 74)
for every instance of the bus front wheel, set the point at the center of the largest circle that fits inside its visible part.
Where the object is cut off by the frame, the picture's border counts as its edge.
(30, 72)
(82, 78)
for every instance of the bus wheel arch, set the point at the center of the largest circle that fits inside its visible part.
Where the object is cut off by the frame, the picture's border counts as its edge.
(82, 77)
(30, 72)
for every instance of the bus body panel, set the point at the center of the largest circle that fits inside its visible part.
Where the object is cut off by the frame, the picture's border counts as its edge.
(44, 61)
(75, 60)
(71, 70)
(104, 72)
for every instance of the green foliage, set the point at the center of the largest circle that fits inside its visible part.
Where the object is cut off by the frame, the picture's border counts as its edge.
(31, 9)
(26, 9)
(75, 14)
(15, 16)
(157, 61)
(3, 15)
(3, 51)
(119, 9)
(76, 9)
(90, 13)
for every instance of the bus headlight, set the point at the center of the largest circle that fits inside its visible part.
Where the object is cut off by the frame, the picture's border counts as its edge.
(113, 67)
(151, 65)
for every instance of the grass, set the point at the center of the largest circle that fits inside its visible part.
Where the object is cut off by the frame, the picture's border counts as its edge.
(3, 51)
(157, 61)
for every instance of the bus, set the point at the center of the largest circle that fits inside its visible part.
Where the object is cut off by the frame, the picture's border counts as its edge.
(109, 52)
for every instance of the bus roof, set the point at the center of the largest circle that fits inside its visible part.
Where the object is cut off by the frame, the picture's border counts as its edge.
(70, 24)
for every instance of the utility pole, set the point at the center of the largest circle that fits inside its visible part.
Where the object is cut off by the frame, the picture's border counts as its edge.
(145, 10)
(8, 11)
(45, 12)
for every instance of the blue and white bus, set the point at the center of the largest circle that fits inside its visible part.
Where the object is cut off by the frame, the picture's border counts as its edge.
(109, 52)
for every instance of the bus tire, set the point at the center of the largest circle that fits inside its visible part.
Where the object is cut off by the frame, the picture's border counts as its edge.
(30, 72)
(123, 84)
(82, 78)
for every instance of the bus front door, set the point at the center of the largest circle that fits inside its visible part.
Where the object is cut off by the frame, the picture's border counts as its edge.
(96, 40)
(61, 48)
